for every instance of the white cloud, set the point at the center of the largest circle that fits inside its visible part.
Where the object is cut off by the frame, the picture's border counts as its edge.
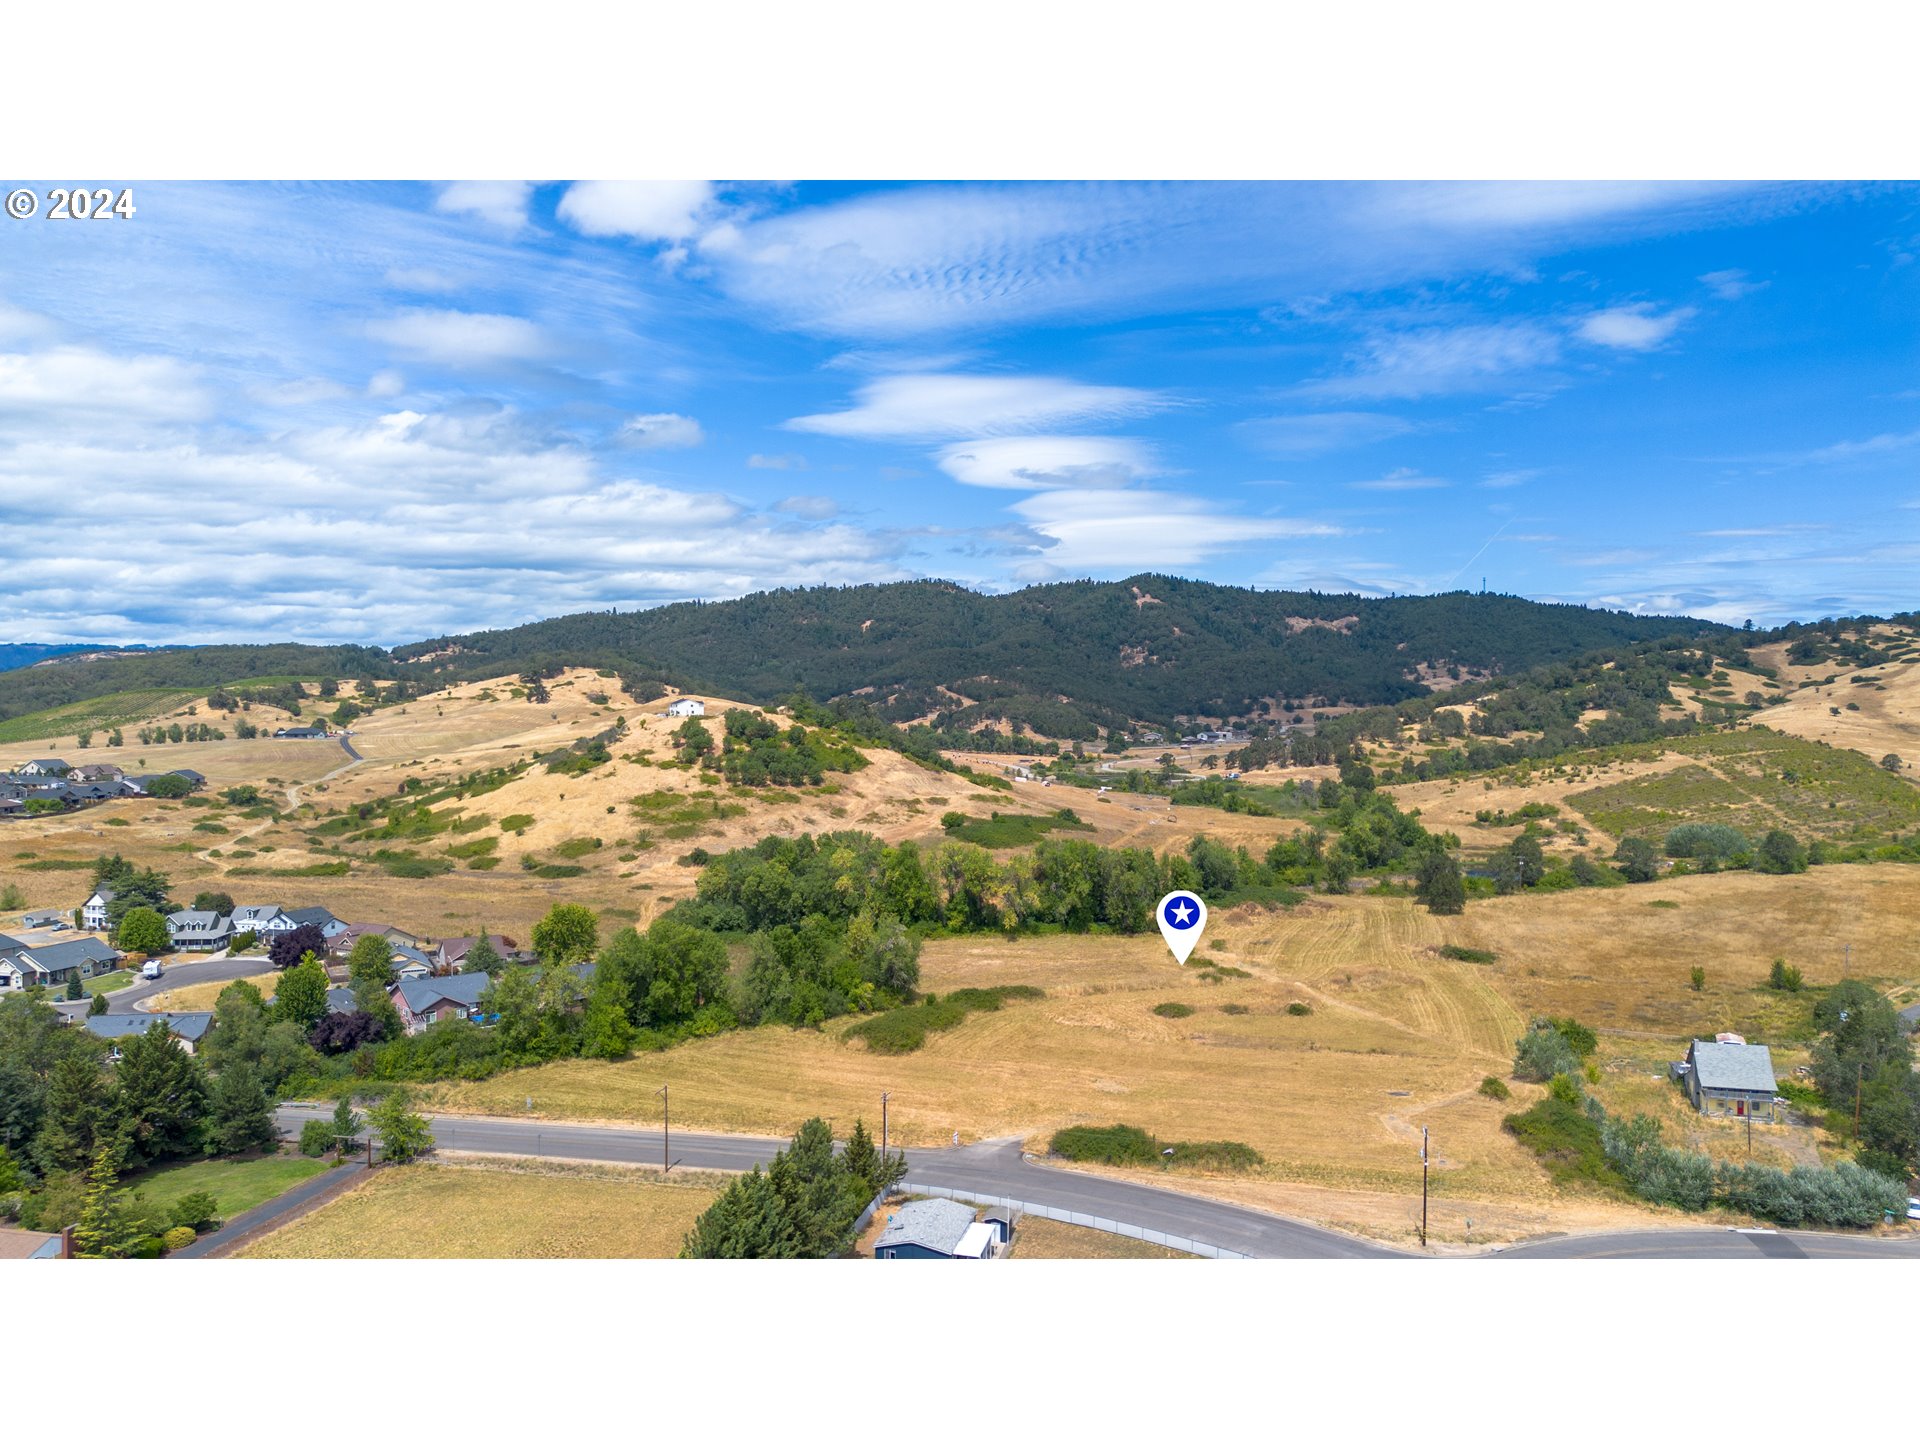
(656, 210)
(19, 326)
(385, 384)
(73, 379)
(1042, 462)
(809, 507)
(1632, 327)
(1085, 531)
(786, 461)
(420, 277)
(933, 407)
(1298, 436)
(1731, 284)
(498, 202)
(1403, 479)
(662, 432)
(1444, 360)
(313, 390)
(457, 337)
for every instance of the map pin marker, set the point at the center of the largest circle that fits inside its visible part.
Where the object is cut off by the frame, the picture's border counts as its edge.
(1182, 915)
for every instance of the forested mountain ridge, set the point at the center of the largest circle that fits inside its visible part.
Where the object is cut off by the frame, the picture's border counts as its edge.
(1152, 647)
(1060, 659)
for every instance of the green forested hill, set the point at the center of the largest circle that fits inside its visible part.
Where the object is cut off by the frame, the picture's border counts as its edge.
(1059, 658)
(1147, 648)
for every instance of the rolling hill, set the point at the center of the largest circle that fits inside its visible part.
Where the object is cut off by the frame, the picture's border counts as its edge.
(1063, 660)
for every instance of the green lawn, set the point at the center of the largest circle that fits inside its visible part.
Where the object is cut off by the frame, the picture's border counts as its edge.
(106, 984)
(235, 1185)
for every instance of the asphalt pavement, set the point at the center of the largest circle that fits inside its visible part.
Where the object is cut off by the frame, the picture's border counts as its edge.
(999, 1169)
(177, 973)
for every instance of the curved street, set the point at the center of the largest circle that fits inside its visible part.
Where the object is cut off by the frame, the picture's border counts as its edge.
(999, 1169)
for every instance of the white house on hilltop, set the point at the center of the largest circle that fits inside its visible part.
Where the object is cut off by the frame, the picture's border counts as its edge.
(686, 707)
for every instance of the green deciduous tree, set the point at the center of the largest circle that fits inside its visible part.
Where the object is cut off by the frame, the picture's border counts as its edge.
(1638, 860)
(567, 935)
(1439, 885)
(402, 1131)
(142, 932)
(301, 998)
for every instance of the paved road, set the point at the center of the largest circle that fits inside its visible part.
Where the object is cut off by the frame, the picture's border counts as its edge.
(352, 754)
(178, 973)
(994, 1168)
(998, 1168)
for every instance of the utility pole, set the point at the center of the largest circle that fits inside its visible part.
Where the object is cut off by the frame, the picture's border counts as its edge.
(666, 1130)
(1846, 962)
(1423, 1187)
(883, 1123)
(1859, 1084)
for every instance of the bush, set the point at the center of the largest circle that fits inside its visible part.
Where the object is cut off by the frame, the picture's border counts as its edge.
(902, 1031)
(1130, 1145)
(316, 1138)
(243, 942)
(1173, 1010)
(1567, 1141)
(1494, 1088)
(1785, 977)
(197, 1209)
(178, 1238)
(1468, 954)
(1299, 1007)
(1698, 978)
(1542, 1053)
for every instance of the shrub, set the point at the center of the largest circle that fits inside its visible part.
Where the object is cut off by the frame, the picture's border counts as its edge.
(1130, 1145)
(1233, 1010)
(1173, 1010)
(179, 1237)
(1494, 1088)
(1697, 978)
(196, 1209)
(316, 1138)
(1785, 977)
(516, 824)
(1567, 1141)
(1542, 1053)
(1468, 954)
(1299, 1007)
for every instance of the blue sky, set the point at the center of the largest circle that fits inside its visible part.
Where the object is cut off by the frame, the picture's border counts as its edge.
(384, 411)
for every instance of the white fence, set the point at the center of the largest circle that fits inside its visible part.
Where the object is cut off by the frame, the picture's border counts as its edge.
(1074, 1217)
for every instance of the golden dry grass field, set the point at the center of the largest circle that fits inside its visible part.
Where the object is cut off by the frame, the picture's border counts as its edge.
(1398, 1037)
(188, 995)
(497, 1210)
(1050, 1240)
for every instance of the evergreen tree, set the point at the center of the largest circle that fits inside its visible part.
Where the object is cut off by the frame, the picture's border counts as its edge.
(105, 1229)
(346, 1125)
(483, 958)
(76, 1117)
(239, 1113)
(97, 1006)
(747, 1222)
(159, 1097)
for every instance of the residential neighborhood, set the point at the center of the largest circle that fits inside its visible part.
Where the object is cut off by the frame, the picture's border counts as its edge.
(51, 786)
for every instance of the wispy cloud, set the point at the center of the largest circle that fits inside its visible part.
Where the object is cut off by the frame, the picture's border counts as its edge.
(498, 202)
(1732, 284)
(932, 407)
(1444, 360)
(1639, 326)
(1403, 479)
(784, 461)
(662, 432)
(1086, 532)
(455, 337)
(1304, 436)
(1043, 462)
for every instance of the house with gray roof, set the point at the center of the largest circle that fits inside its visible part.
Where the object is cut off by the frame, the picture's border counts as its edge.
(51, 765)
(266, 920)
(935, 1230)
(93, 912)
(199, 930)
(1731, 1079)
(189, 1027)
(21, 967)
(434, 998)
(318, 916)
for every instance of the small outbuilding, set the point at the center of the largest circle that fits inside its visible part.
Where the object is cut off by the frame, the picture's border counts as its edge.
(935, 1230)
(686, 707)
(1731, 1079)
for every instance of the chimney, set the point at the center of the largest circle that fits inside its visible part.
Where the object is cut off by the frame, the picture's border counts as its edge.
(66, 1243)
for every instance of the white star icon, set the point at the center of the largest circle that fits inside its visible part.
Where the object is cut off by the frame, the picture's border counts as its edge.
(1182, 913)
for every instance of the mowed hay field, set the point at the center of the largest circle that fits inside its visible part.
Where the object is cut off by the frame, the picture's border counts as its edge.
(1314, 1094)
(498, 1211)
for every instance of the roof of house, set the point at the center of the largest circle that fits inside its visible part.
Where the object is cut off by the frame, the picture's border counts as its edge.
(199, 924)
(103, 894)
(258, 913)
(193, 775)
(460, 946)
(1000, 1213)
(932, 1224)
(74, 952)
(1732, 1067)
(25, 1244)
(312, 915)
(189, 1025)
(340, 1001)
(45, 917)
(420, 995)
